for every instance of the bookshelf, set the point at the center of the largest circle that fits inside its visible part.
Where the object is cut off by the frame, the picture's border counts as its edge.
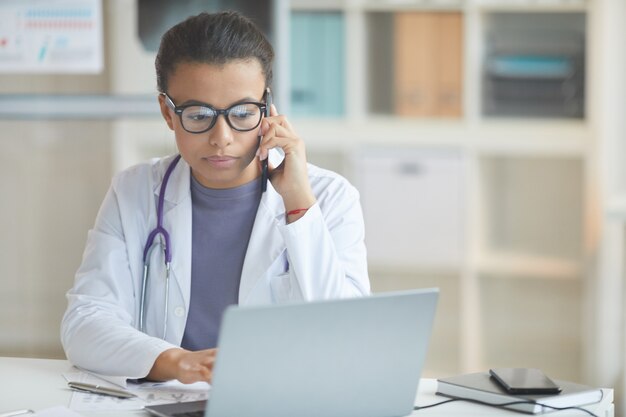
(474, 123)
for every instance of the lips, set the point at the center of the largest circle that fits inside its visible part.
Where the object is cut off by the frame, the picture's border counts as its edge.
(219, 158)
(221, 161)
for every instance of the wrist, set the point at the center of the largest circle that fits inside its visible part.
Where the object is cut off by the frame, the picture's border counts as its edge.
(295, 214)
(166, 365)
(299, 200)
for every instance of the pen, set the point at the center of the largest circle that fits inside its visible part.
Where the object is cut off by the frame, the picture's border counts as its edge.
(98, 389)
(16, 413)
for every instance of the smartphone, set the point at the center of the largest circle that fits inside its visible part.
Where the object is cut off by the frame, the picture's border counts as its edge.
(524, 381)
(264, 168)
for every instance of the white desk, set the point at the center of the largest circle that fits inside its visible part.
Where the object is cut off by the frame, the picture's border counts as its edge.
(37, 384)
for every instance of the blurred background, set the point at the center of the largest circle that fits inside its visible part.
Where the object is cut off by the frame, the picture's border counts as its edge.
(486, 138)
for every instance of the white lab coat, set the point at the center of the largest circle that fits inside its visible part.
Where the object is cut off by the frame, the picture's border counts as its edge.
(319, 256)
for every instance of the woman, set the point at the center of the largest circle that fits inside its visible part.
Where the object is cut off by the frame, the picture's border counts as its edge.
(229, 242)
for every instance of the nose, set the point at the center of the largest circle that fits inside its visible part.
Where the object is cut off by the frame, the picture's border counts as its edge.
(221, 135)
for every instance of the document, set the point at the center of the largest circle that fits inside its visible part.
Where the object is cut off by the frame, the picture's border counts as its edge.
(59, 411)
(148, 393)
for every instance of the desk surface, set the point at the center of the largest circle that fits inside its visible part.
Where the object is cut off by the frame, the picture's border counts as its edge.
(37, 384)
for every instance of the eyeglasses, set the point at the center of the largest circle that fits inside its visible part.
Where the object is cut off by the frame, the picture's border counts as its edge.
(199, 118)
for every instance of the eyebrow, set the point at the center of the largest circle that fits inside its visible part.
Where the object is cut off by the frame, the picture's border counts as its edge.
(193, 102)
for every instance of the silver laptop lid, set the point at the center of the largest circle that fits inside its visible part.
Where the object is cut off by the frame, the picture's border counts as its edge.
(349, 357)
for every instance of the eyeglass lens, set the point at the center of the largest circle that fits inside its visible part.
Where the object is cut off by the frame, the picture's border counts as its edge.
(244, 116)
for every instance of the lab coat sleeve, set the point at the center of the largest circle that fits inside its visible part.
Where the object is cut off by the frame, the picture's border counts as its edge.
(97, 330)
(326, 249)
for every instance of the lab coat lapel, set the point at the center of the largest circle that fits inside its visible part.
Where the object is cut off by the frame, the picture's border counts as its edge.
(266, 242)
(177, 221)
(265, 245)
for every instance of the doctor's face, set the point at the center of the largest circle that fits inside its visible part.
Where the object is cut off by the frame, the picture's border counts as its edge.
(221, 157)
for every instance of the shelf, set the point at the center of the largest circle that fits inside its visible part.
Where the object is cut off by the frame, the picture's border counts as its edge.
(531, 5)
(387, 131)
(412, 5)
(556, 138)
(533, 8)
(510, 264)
(395, 270)
(564, 147)
(387, 5)
(77, 106)
(376, 5)
(319, 5)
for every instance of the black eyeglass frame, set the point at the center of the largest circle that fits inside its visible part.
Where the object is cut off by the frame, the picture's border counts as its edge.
(225, 112)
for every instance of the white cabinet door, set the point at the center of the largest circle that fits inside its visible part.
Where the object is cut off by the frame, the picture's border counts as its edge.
(413, 204)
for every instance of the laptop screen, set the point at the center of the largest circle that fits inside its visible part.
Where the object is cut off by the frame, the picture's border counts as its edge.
(359, 356)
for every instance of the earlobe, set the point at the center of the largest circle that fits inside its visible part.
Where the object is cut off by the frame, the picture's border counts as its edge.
(165, 112)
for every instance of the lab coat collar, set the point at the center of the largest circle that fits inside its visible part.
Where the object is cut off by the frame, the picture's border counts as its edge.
(178, 186)
(266, 241)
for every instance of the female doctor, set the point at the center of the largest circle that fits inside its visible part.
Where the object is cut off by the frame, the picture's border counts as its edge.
(179, 239)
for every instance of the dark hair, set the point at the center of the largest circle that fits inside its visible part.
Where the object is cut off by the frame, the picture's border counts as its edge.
(212, 38)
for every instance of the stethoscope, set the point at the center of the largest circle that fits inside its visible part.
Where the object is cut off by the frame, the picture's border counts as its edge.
(167, 250)
(165, 237)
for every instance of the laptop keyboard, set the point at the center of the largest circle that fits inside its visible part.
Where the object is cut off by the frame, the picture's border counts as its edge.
(198, 413)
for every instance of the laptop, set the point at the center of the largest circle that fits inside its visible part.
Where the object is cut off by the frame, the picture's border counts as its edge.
(347, 357)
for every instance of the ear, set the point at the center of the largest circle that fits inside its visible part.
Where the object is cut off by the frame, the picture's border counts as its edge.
(166, 112)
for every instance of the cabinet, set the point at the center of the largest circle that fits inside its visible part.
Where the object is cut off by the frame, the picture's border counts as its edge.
(413, 204)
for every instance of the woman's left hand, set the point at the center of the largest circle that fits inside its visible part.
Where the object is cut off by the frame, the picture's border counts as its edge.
(290, 178)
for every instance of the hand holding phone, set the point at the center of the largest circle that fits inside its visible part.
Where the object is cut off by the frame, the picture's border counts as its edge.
(291, 174)
(264, 166)
(524, 381)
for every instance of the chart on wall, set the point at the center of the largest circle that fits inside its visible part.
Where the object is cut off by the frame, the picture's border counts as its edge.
(51, 36)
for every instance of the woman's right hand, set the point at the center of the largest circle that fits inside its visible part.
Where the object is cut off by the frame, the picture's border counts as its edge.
(184, 365)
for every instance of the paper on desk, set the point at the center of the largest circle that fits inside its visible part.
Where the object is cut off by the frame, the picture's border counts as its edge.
(153, 393)
(59, 411)
(85, 401)
(90, 378)
(148, 393)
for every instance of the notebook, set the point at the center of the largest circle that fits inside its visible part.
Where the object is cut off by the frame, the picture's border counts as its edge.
(347, 357)
(482, 387)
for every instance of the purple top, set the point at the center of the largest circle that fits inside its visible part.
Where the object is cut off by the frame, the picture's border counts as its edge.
(222, 221)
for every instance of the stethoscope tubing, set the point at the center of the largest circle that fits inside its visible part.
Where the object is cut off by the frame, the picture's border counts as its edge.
(167, 250)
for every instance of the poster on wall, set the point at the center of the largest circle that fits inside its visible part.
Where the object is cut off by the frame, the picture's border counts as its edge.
(51, 36)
